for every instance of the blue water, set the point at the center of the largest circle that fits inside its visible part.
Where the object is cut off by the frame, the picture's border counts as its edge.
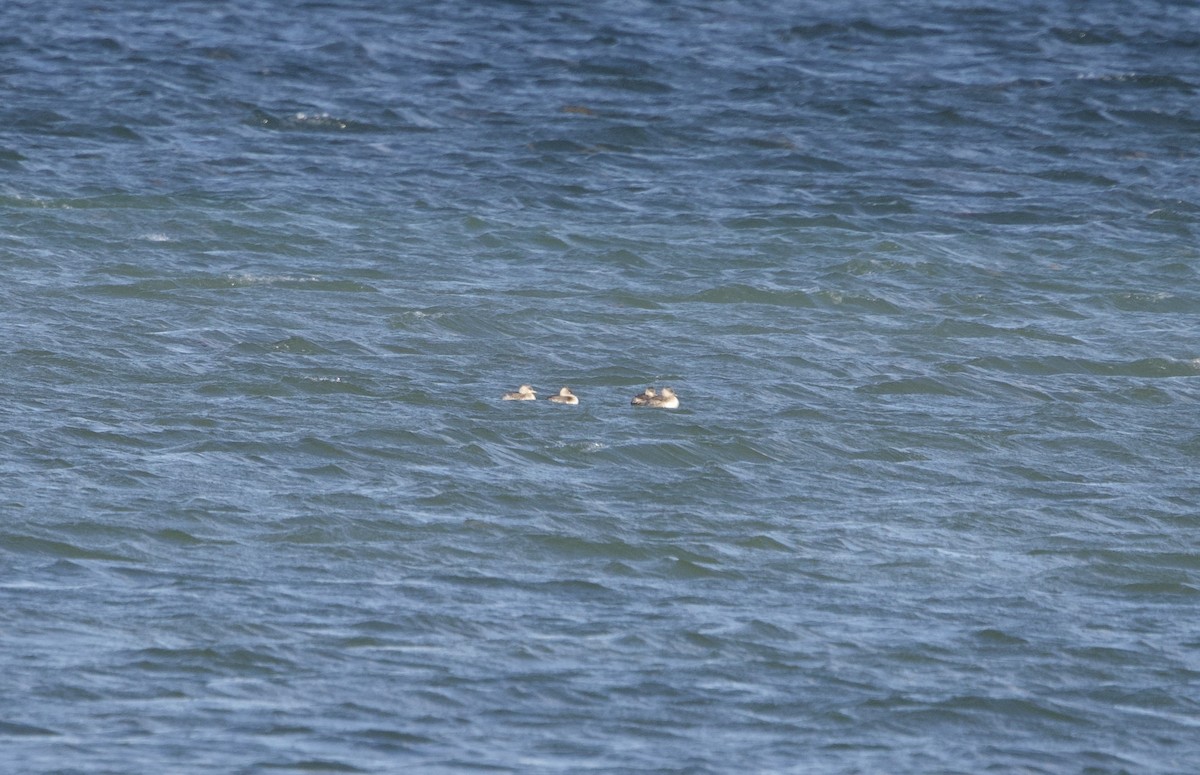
(924, 276)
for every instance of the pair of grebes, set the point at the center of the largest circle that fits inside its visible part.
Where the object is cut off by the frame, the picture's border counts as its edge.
(664, 399)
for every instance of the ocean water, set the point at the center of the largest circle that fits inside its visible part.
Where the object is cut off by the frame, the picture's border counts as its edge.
(924, 275)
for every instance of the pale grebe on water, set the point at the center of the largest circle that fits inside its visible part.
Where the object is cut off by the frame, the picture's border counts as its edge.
(565, 396)
(664, 400)
(524, 393)
(641, 398)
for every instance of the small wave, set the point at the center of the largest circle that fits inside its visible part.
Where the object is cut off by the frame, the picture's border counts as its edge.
(299, 282)
(1147, 80)
(1079, 36)
(739, 293)
(973, 329)
(912, 386)
(59, 549)
(297, 345)
(25, 730)
(308, 122)
(862, 301)
(216, 661)
(857, 29)
(1159, 119)
(1058, 364)
(155, 285)
(325, 385)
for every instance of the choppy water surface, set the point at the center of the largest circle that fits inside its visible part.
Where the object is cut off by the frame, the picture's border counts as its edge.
(924, 274)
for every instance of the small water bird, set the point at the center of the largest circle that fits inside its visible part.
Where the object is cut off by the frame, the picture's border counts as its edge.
(641, 398)
(523, 393)
(666, 399)
(565, 396)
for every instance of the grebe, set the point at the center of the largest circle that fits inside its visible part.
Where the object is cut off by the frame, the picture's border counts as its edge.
(524, 393)
(565, 396)
(664, 400)
(641, 398)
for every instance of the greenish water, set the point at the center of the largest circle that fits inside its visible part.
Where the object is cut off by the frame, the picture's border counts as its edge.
(923, 277)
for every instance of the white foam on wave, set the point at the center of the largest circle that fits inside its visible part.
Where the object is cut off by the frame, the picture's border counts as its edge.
(322, 120)
(246, 279)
